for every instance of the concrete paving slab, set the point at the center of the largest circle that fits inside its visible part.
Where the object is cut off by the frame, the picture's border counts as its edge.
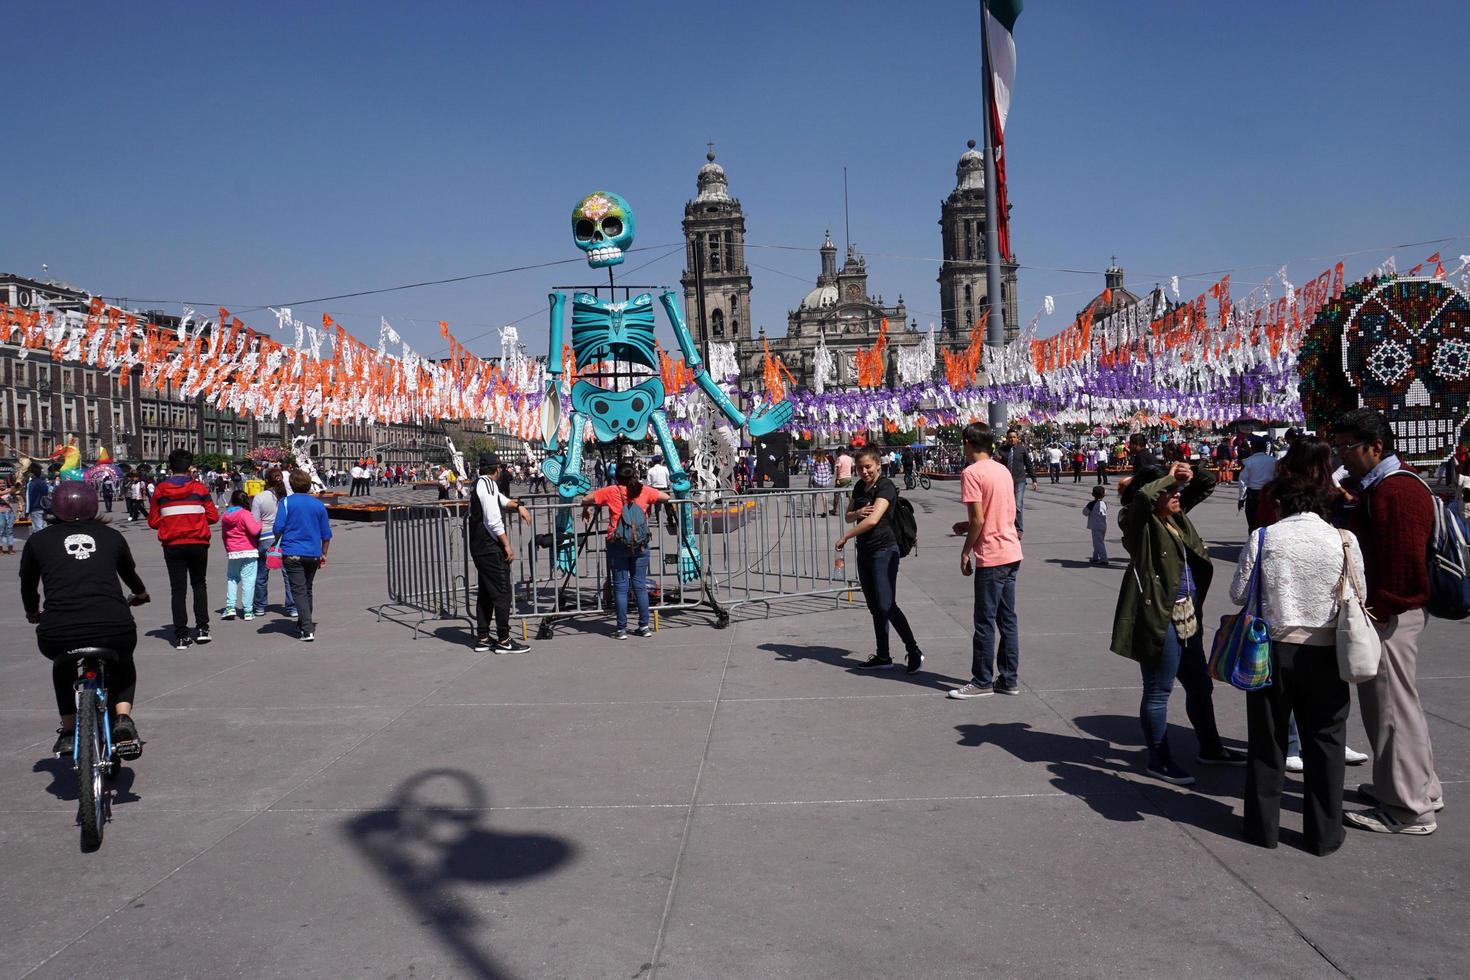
(399, 891)
(56, 894)
(885, 748)
(963, 889)
(533, 755)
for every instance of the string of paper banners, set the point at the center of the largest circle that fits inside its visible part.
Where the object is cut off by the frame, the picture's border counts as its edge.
(1201, 361)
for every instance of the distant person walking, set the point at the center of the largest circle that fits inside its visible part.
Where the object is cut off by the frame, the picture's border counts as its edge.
(1096, 511)
(240, 532)
(992, 554)
(305, 535)
(871, 512)
(1017, 458)
(181, 513)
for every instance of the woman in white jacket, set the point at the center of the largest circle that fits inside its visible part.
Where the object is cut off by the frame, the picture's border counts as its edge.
(1301, 560)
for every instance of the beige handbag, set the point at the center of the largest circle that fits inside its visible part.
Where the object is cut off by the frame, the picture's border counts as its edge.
(1358, 646)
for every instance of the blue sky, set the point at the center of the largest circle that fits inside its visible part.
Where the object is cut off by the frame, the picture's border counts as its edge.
(253, 154)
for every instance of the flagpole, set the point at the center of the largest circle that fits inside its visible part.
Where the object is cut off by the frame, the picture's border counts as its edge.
(995, 329)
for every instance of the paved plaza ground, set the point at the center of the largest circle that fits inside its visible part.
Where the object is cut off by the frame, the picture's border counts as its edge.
(706, 803)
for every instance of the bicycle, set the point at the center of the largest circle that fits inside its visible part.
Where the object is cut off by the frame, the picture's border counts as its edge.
(92, 752)
(920, 478)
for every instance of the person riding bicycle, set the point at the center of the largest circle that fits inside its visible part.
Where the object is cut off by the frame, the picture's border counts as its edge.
(77, 561)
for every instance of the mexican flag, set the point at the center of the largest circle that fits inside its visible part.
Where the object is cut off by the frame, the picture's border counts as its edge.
(1000, 67)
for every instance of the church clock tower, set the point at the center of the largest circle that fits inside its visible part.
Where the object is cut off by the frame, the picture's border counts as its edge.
(963, 293)
(715, 222)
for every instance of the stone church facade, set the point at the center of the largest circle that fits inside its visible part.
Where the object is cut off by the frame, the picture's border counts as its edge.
(840, 307)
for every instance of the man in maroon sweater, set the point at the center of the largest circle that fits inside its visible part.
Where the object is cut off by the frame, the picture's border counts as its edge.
(1394, 521)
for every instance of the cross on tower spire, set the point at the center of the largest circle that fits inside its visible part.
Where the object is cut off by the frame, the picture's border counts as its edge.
(710, 156)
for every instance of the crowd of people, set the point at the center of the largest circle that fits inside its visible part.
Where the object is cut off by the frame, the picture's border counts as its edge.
(1320, 534)
(1326, 518)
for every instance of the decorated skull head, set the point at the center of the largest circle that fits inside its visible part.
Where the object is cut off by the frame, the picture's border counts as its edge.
(602, 225)
(1406, 348)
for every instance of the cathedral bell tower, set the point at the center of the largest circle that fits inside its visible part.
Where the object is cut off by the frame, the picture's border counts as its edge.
(715, 222)
(963, 292)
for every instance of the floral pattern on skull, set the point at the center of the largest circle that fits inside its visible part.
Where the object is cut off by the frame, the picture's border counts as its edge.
(1406, 349)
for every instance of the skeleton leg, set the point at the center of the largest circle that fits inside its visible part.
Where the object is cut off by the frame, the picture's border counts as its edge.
(689, 557)
(566, 471)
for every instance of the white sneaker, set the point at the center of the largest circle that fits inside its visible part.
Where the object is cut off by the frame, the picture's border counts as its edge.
(1294, 763)
(1353, 757)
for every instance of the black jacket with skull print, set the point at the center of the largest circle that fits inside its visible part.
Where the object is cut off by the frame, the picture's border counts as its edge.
(78, 564)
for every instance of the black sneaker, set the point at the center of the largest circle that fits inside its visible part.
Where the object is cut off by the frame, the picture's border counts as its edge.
(620, 634)
(64, 741)
(125, 740)
(1222, 757)
(876, 662)
(308, 637)
(511, 646)
(1011, 689)
(202, 635)
(644, 631)
(915, 661)
(181, 640)
(1170, 773)
(482, 644)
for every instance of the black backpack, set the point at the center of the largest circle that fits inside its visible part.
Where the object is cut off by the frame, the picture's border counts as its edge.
(905, 526)
(1448, 558)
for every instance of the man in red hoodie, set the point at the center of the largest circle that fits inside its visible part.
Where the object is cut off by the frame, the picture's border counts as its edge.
(181, 513)
(1393, 518)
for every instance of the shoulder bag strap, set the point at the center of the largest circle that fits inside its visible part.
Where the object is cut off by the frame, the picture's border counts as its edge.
(1254, 589)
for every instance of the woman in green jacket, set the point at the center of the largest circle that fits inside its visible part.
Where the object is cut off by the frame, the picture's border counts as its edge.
(1157, 621)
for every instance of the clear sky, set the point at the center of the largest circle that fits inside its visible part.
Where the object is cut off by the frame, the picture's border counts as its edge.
(264, 153)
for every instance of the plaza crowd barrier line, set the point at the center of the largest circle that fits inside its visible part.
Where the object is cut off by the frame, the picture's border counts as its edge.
(758, 549)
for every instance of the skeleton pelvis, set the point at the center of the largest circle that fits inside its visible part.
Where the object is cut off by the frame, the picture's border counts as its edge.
(618, 413)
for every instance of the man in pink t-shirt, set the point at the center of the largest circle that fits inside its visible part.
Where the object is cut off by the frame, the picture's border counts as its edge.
(992, 544)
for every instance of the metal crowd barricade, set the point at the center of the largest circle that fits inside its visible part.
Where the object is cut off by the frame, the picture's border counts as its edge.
(774, 545)
(427, 562)
(755, 548)
(549, 590)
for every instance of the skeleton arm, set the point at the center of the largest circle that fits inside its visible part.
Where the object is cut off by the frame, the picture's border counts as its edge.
(696, 362)
(553, 355)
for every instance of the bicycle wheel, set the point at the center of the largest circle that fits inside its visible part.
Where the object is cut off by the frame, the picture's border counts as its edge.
(925, 482)
(89, 773)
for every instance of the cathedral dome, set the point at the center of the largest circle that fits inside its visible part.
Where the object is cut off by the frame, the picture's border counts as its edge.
(821, 298)
(713, 185)
(969, 173)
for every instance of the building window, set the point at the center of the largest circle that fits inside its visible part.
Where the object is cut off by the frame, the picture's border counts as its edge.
(714, 252)
(717, 323)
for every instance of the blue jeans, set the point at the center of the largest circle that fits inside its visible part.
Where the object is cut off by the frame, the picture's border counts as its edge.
(626, 570)
(7, 528)
(878, 574)
(38, 520)
(995, 607)
(1020, 507)
(1185, 661)
(262, 581)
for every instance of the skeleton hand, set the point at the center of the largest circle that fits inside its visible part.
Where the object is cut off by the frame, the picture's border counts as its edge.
(680, 483)
(770, 418)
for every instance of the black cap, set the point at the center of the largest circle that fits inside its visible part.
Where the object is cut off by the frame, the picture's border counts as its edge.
(489, 461)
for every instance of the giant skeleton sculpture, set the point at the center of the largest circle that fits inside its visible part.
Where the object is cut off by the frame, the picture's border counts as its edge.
(622, 333)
